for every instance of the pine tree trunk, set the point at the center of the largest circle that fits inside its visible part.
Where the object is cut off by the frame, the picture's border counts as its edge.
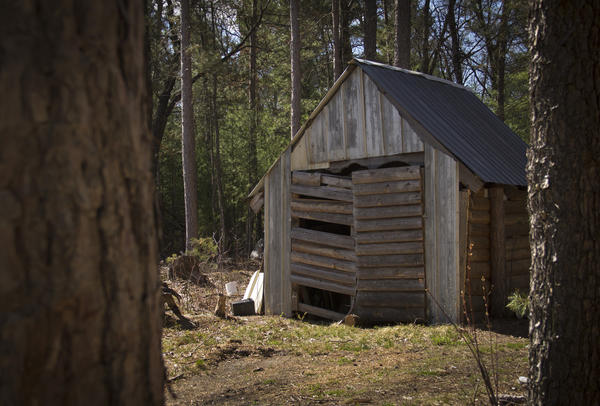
(425, 62)
(370, 30)
(347, 54)
(455, 45)
(402, 34)
(337, 46)
(501, 65)
(564, 203)
(80, 316)
(252, 157)
(188, 150)
(295, 61)
(218, 169)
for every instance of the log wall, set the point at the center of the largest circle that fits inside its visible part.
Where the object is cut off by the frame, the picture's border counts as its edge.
(518, 252)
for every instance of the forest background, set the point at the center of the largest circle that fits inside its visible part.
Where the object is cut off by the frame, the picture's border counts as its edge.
(240, 53)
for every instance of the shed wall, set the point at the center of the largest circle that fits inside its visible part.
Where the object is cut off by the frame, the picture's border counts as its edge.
(277, 238)
(441, 236)
(357, 122)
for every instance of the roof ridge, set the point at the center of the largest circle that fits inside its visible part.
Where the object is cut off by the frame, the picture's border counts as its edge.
(411, 72)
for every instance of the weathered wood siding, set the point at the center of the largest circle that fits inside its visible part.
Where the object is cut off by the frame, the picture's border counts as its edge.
(357, 122)
(477, 273)
(321, 259)
(277, 238)
(516, 230)
(442, 236)
(388, 219)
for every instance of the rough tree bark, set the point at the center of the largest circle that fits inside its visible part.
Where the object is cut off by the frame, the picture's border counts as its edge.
(425, 40)
(295, 61)
(457, 71)
(402, 34)
(345, 19)
(79, 299)
(370, 30)
(337, 44)
(564, 203)
(252, 156)
(188, 142)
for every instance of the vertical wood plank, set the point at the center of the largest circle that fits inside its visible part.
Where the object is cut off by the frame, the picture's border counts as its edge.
(267, 251)
(335, 128)
(442, 253)
(373, 124)
(318, 143)
(286, 284)
(274, 277)
(353, 115)
(412, 142)
(392, 127)
(499, 276)
(463, 243)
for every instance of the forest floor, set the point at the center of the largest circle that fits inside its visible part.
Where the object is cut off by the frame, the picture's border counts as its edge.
(271, 360)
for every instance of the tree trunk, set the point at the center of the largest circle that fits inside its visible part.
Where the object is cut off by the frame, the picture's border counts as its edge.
(402, 34)
(501, 65)
(564, 203)
(218, 169)
(188, 150)
(457, 58)
(345, 16)
(425, 44)
(337, 46)
(370, 30)
(295, 61)
(81, 319)
(252, 157)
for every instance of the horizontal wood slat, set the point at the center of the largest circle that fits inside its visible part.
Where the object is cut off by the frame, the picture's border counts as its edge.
(322, 206)
(408, 272)
(480, 203)
(479, 230)
(336, 218)
(391, 285)
(316, 272)
(386, 174)
(390, 299)
(322, 284)
(320, 312)
(325, 192)
(391, 248)
(335, 253)
(317, 260)
(387, 212)
(479, 269)
(306, 178)
(381, 314)
(338, 181)
(516, 254)
(401, 223)
(324, 238)
(391, 260)
(387, 187)
(389, 199)
(480, 217)
(389, 236)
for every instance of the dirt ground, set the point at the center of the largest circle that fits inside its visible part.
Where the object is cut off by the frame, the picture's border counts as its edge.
(271, 360)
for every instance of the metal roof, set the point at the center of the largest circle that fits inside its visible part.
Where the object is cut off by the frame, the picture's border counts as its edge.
(457, 119)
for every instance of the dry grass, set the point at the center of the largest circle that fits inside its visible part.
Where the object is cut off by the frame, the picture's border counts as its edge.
(274, 360)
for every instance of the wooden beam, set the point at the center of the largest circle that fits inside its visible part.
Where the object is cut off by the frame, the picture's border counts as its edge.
(500, 279)
(306, 178)
(321, 237)
(318, 311)
(326, 192)
(257, 201)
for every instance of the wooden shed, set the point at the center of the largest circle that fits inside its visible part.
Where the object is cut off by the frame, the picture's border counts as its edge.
(400, 193)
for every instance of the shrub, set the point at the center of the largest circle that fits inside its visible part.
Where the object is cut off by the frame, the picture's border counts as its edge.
(518, 303)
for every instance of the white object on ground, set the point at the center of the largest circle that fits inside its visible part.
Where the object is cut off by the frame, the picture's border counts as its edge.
(231, 288)
(251, 285)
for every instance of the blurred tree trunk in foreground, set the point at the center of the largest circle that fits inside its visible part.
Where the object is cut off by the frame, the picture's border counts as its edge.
(79, 293)
(564, 203)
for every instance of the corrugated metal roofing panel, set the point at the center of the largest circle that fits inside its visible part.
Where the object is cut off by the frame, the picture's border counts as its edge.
(457, 119)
